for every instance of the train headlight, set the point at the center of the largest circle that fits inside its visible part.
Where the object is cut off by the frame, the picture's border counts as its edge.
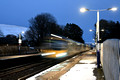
(46, 54)
(61, 54)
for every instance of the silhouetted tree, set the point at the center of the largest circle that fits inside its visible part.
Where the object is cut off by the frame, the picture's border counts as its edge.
(111, 30)
(14, 38)
(74, 32)
(11, 36)
(9, 39)
(42, 25)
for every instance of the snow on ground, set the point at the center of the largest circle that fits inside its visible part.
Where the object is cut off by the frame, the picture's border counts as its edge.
(12, 29)
(80, 72)
(43, 72)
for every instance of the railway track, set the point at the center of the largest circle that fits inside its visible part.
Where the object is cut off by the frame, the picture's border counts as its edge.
(25, 70)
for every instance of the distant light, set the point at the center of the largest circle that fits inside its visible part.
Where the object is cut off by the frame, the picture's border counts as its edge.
(22, 32)
(113, 9)
(102, 30)
(90, 30)
(83, 9)
(51, 38)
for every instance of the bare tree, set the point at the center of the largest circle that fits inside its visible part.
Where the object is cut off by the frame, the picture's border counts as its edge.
(40, 26)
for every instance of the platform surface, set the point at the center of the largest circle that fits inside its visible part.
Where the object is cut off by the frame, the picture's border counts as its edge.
(81, 67)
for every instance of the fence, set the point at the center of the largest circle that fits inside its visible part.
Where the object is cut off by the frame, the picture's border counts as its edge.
(7, 50)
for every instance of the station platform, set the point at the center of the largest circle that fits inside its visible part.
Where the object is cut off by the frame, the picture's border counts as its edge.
(80, 67)
(18, 56)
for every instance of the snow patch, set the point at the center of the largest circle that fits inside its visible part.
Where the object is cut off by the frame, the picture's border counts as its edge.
(12, 29)
(80, 72)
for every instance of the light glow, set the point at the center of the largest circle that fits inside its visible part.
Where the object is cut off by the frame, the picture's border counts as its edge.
(56, 36)
(46, 54)
(90, 30)
(83, 9)
(23, 32)
(102, 30)
(61, 54)
(113, 9)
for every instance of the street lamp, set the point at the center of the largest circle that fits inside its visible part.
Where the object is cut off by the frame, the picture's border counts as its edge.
(97, 30)
(20, 39)
(91, 30)
(102, 30)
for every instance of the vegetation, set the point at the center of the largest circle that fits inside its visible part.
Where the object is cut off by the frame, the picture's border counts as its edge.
(45, 24)
(40, 26)
(74, 32)
(109, 30)
(9, 39)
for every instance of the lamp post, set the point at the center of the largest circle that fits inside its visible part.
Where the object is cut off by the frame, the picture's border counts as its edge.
(20, 40)
(97, 30)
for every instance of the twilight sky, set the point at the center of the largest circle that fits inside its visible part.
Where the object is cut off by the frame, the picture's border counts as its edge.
(18, 12)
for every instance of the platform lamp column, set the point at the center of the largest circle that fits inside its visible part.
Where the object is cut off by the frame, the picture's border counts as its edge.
(98, 38)
(97, 30)
(20, 40)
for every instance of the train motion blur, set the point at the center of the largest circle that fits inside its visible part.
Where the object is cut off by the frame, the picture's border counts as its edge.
(57, 47)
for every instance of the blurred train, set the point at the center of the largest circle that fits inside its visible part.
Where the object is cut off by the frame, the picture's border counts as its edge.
(57, 47)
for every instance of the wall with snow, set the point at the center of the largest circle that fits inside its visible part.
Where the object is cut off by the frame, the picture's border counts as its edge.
(110, 59)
